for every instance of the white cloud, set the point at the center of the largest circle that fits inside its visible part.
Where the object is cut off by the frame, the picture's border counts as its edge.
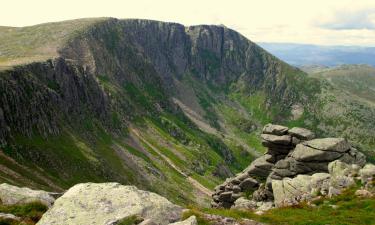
(349, 20)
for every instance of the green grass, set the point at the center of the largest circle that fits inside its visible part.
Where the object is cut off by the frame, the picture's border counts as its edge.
(30, 212)
(350, 210)
(39, 42)
(255, 105)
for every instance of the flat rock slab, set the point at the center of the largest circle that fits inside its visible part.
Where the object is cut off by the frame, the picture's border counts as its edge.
(275, 139)
(108, 203)
(11, 195)
(329, 144)
(274, 129)
(301, 133)
(305, 153)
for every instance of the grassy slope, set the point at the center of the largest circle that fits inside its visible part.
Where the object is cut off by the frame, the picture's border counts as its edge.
(29, 213)
(21, 45)
(345, 209)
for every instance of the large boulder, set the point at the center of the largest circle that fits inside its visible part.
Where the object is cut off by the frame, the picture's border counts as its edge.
(11, 195)
(109, 203)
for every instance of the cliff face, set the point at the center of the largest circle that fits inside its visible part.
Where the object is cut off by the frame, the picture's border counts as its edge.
(147, 103)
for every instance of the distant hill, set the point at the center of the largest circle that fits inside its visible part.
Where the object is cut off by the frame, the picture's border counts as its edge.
(303, 54)
(359, 80)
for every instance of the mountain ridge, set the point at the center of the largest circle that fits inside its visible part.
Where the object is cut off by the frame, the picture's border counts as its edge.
(67, 119)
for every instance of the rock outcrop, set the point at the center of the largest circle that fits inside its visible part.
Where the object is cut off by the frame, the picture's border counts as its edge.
(12, 195)
(279, 141)
(295, 168)
(109, 203)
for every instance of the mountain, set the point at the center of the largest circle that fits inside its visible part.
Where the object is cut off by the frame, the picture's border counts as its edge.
(169, 108)
(305, 54)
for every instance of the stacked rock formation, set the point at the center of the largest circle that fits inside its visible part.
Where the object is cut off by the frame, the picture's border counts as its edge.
(279, 141)
(290, 154)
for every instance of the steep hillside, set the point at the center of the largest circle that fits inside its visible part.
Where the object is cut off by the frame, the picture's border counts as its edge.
(169, 108)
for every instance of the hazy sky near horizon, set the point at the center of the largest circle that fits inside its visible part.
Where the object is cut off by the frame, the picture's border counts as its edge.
(326, 22)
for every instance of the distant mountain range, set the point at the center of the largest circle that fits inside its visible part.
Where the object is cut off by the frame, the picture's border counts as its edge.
(305, 54)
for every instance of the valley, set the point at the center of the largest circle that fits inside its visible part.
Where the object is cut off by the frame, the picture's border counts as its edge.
(169, 108)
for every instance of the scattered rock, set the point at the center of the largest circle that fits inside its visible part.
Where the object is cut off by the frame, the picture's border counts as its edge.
(92, 203)
(11, 195)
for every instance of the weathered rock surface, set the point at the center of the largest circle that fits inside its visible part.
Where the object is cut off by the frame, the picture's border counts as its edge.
(279, 143)
(274, 129)
(367, 173)
(106, 203)
(7, 216)
(298, 168)
(301, 133)
(288, 191)
(192, 220)
(11, 195)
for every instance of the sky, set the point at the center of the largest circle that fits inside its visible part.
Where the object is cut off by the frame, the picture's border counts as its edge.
(322, 22)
